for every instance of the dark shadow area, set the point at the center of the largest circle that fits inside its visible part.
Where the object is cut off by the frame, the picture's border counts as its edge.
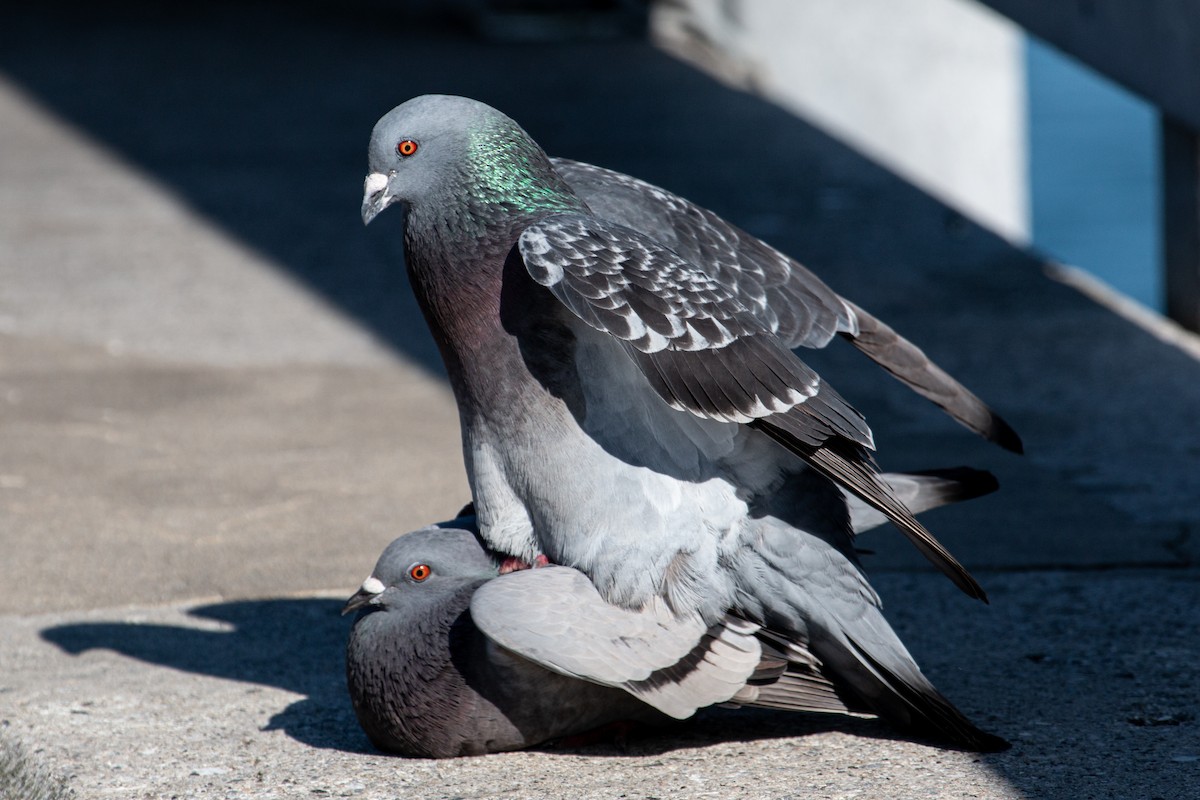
(1094, 680)
(716, 725)
(295, 645)
(257, 116)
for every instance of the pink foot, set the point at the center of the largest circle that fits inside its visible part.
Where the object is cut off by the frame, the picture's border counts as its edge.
(514, 564)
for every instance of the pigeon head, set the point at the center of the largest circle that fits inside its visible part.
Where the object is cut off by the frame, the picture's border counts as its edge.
(441, 150)
(426, 563)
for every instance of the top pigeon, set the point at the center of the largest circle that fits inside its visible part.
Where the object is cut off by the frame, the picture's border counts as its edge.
(622, 363)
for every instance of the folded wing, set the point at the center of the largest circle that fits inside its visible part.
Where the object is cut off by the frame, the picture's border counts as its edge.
(554, 617)
(704, 352)
(785, 297)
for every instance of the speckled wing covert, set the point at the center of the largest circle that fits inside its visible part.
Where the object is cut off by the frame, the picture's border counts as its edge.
(701, 349)
(785, 297)
(554, 617)
(704, 352)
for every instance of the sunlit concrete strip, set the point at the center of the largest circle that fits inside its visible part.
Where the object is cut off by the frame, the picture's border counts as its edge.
(92, 249)
(177, 413)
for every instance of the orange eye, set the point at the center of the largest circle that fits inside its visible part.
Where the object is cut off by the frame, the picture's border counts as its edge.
(406, 147)
(419, 572)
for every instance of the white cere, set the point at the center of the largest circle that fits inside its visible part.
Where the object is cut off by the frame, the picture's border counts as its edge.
(376, 182)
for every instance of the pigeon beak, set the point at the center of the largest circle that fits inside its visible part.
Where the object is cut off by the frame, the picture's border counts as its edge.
(367, 595)
(375, 196)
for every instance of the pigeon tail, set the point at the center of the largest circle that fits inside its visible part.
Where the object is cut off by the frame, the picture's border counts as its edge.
(921, 491)
(953, 485)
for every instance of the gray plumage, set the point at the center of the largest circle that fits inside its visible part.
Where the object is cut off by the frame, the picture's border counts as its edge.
(424, 682)
(461, 662)
(630, 405)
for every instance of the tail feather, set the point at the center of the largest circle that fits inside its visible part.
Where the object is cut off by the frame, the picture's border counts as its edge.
(835, 674)
(922, 491)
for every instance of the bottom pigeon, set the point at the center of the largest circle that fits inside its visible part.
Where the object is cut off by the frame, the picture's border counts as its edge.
(446, 658)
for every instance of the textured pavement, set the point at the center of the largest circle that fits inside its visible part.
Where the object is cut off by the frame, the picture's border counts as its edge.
(218, 403)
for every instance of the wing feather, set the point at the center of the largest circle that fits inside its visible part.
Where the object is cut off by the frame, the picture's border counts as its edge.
(722, 365)
(554, 617)
(787, 299)
(908, 364)
(854, 469)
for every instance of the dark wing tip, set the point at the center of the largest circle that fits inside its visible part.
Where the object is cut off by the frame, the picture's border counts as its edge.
(859, 476)
(1001, 433)
(965, 581)
(909, 364)
(963, 736)
(849, 465)
(925, 711)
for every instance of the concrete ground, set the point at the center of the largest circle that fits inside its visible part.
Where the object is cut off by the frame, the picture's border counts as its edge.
(218, 403)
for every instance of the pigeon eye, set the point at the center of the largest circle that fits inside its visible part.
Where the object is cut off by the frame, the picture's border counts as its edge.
(406, 147)
(419, 572)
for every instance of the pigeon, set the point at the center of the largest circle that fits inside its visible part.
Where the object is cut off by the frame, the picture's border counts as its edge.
(602, 333)
(424, 682)
(630, 402)
(445, 659)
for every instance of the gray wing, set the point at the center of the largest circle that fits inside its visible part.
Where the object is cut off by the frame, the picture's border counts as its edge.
(703, 352)
(554, 617)
(786, 298)
(701, 349)
(906, 362)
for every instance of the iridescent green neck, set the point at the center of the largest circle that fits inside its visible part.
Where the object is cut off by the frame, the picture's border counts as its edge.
(512, 171)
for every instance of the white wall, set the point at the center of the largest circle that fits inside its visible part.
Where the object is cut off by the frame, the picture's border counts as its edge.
(932, 89)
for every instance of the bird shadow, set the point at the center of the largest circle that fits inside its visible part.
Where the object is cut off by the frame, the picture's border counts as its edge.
(298, 645)
(293, 644)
